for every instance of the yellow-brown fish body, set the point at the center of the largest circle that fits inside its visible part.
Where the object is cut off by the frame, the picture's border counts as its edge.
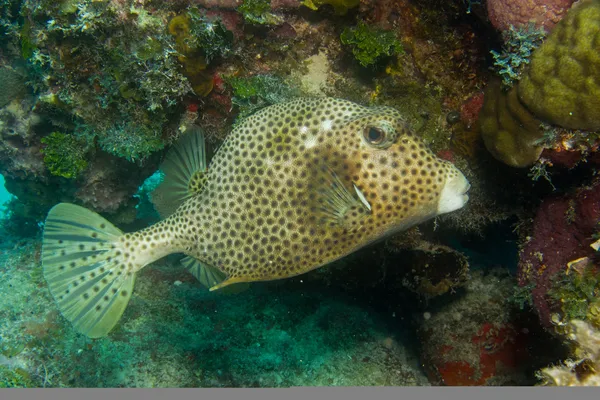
(293, 187)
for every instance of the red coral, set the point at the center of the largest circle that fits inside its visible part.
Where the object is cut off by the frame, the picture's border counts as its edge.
(232, 20)
(500, 349)
(562, 232)
(566, 159)
(569, 158)
(446, 154)
(546, 13)
(469, 111)
(219, 83)
(192, 108)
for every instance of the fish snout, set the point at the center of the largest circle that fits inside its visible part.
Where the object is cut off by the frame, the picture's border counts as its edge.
(454, 193)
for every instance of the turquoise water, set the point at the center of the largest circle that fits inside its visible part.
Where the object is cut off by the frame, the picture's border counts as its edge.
(5, 197)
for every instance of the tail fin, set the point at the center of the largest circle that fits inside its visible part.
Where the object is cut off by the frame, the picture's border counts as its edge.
(86, 270)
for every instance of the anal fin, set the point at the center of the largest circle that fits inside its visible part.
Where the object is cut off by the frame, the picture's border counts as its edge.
(209, 276)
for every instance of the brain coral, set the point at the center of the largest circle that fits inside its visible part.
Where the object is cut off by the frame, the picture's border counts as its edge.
(509, 131)
(504, 13)
(562, 83)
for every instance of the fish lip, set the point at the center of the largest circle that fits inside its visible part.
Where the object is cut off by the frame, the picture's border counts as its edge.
(466, 190)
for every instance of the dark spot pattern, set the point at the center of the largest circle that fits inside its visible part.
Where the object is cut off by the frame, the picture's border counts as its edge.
(257, 214)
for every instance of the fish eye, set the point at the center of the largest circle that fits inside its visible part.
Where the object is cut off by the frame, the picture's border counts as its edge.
(374, 135)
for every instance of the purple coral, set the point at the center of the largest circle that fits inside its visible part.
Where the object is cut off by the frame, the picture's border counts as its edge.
(562, 232)
(546, 13)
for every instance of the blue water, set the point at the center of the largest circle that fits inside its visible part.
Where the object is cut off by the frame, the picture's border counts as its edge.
(5, 197)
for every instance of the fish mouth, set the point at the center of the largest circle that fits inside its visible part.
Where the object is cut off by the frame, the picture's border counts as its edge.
(454, 193)
(466, 190)
(464, 195)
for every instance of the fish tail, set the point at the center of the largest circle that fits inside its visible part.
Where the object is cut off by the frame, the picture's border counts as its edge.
(87, 267)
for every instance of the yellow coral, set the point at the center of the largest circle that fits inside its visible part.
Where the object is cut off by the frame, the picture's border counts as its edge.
(562, 83)
(510, 132)
(193, 62)
(340, 7)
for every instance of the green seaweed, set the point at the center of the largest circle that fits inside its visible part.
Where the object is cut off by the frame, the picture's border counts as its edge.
(258, 91)
(27, 45)
(212, 37)
(258, 12)
(522, 296)
(519, 43)
(64, 155)
(369, 45)
(12, 351)
(340, 7)
(132, 141)
(17, 378)
(576, 293)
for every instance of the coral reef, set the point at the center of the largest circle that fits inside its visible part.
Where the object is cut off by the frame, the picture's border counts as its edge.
(510, 132)
(562, 232)
(198, 41)
(546, 13)
(561, 84)
(518, 46)
(369, 45)
(12, 84)
(583, 369)
(19, 150)
(122, 76)
(557, 87)
(474, 340)
(434, 269)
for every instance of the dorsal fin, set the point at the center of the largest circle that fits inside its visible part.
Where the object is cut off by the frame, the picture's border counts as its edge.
(184, 171)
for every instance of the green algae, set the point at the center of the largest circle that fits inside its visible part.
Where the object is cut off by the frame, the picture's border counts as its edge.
(369, 45)
(340, 7)
(64, 155)
(576, 294)
(14, 378)
(251, 93)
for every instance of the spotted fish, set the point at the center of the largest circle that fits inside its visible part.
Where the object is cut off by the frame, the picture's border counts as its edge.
(295, 186)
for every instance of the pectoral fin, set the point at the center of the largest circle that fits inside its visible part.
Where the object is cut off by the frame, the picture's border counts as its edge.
(335, 203)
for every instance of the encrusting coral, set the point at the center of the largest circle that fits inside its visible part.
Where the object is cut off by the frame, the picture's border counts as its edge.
(563, 231)
(504, 13)
(583, 369)
(12, 84)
